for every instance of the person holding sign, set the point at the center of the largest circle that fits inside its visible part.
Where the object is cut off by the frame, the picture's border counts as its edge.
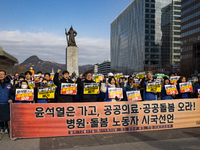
(63, 98)
(110, 84)
(165, 95)
(23, 85)
(148, 95)
(44, 84)
(130, 87)
(181, 88)
(85, 96)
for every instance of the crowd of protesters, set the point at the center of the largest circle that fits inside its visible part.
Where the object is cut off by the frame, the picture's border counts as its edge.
(8, 86)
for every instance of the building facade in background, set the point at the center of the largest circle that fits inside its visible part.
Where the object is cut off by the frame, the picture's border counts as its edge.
(104, 68)
(190, 36)
(101, 68)
(146, 33)
(7, 62)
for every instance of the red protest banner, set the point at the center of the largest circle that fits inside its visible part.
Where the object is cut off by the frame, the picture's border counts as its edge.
(56, 119)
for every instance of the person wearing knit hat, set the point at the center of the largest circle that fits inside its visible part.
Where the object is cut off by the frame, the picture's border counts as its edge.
(110, 74)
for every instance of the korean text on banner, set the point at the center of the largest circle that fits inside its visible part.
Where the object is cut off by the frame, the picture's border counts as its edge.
(68, 88)
(54, 119)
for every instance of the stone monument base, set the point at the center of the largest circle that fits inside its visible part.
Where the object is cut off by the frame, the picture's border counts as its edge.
(72, 60)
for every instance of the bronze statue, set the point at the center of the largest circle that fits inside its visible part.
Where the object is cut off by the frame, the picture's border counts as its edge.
(72, 33)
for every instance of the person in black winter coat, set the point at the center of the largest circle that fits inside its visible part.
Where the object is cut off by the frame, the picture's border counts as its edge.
(63, 98)
(87, 97)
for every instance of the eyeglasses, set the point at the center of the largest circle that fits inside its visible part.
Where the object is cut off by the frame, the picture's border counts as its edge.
(131, 82)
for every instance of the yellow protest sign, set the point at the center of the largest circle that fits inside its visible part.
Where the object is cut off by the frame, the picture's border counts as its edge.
(31, 84)
(91, 88)
(95, 78)
(118, 75)
(51, 84)
(140, 75)
(154, 86)
(46, 92)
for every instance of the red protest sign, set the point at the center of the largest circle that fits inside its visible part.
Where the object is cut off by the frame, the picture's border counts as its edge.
(113, 92)
(186, 87)
(133, 95)
(171, 89)
(68, 88)
(24, 95)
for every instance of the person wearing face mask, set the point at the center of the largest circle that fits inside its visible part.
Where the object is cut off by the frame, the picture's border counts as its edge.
(44, 84)
(105, 86)
(23, 85)
(61, 97)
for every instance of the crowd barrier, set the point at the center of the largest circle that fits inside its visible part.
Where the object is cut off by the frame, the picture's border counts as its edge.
(69, 119)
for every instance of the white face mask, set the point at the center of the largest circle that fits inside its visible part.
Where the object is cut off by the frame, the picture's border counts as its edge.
(24, 86)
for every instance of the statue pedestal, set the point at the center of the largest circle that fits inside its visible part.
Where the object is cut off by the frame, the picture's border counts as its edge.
(72, 60)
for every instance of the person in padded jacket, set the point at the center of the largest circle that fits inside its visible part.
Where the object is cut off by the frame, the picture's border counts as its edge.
(87, 97)
(63, 98)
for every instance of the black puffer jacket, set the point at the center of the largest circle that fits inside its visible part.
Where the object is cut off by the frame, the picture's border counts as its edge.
(87, 97)
(63, 98)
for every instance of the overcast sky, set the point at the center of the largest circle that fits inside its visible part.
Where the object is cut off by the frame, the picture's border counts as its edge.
(37, 27)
